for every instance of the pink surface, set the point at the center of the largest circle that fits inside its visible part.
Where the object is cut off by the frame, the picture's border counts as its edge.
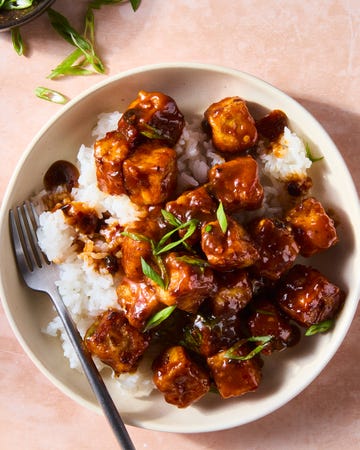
(311, 51)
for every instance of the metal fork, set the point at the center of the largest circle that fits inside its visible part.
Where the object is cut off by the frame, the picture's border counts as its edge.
(40, 274)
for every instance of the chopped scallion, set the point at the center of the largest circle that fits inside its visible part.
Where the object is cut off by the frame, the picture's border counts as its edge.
(159, 317)
(50, 95)
(321, 327)
(221, 217)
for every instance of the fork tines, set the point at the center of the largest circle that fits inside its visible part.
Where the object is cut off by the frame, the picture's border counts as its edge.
(23, 225)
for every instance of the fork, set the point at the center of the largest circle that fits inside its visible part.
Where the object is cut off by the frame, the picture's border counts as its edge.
(40, 275)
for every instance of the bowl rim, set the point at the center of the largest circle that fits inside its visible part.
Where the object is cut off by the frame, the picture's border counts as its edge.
(3, 217)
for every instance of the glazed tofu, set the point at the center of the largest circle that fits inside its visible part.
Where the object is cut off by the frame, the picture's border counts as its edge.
(152, 115)
(235, 377)
(180, 379)
(136, 244)
(232, 126)
(189, 284)
(150, 174)
(195, 204)
(267, 319)
(236, 184)
(271, 126)
(307, 296)
(138, 300)
(207, 335)
(110, 153)
(230, 250)
(276, 246)
(233, 294)
(313, 229)
(115, 342)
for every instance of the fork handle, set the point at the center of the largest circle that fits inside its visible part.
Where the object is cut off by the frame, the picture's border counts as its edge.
(96, 382)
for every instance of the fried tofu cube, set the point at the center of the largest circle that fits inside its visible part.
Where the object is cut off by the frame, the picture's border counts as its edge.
(152, 115)
(207, 335)
(139, 301)
(313, 229)
(268, 320)
(307, 296)
(180, 379)
(195, 204)
(110, 153)
(233, 294)
(276, 246)
(136, 244)
(234, 377)
(150, 174)
(189, 284)
(115, 342)
(232, 126)
(271, 126)
(229, 250)
(236, 184)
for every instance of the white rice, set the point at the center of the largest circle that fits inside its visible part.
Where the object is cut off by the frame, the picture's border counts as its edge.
(195, 156)
(86, 292)
(287, 157)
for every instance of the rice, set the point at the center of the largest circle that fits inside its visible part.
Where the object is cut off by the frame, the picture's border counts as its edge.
(195, 156)
(287, 157)
(55, 236)
(86, 292)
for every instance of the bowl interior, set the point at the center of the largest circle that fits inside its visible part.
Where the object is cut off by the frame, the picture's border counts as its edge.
(194, 87)
(17, 17)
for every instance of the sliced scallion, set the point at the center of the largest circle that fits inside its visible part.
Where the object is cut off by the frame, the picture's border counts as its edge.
(50, 95)
(159, 317)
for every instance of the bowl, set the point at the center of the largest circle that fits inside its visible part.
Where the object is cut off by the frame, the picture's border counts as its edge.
(194, 87)
(18, 17)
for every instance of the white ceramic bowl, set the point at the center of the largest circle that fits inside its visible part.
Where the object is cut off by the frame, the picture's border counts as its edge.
(194, 87)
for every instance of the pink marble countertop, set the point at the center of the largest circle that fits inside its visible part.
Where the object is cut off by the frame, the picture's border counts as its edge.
(310, 50)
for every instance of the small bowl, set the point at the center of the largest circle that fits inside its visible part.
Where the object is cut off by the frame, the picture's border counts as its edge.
(18, 17)
(194, 87)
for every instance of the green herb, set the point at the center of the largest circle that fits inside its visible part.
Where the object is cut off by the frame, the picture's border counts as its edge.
(208, 228)
(97, 4)
(63, 27)
(50, 95)
(75, 63)
(159, 317)
(231, 353)
(170, 218)
(193, 260)
(221, 217)
(321, 327)
(89, 29)
(266, 313)
(136, 236)
(191, 225)
(149, 272)
(68, 67)
(151, 132)
(17, 41)
(213, 389)
(309, 154)
(192, 339)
